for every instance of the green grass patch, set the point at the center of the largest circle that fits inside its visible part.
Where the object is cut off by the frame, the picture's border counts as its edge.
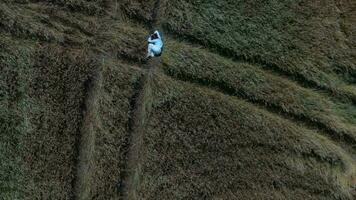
(15, 106)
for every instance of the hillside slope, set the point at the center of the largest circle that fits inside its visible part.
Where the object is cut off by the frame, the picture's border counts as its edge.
(250, 100)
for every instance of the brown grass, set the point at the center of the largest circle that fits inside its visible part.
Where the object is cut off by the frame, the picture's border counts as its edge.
(58, 88)
(298, 39)
(202, 144)
(263, 88)
(199, 140)
(112, 136)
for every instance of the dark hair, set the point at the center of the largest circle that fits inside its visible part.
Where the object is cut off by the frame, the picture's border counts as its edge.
(154, 36)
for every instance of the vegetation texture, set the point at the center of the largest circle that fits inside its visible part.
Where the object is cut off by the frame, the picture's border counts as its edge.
(249, 100)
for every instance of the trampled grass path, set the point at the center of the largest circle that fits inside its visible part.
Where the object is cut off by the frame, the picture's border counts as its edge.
(140, 109)
(86, 141)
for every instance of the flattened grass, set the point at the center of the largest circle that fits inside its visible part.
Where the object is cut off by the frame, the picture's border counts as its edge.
(262, 87)
(122, 40)
(299, 38)
(112, 131)
(19, 22)
(199, 143)
(202, 144)
(47, 23)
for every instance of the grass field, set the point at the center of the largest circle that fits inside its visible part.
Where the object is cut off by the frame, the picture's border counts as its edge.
(308, 41)
(250, 100)
(264, 88)
(203, 144)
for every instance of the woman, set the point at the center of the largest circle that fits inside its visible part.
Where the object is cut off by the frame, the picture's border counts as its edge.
(155, 45)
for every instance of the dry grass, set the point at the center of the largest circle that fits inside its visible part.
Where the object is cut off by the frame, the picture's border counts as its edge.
(263, 88)
(53, 54)
(203, 144)
(111, 137)
(301, 39)
(59, 90)
(198, 142)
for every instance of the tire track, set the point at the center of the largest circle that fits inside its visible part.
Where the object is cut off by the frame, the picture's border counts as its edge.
(86, 141)
(141, 107)
(130, 149)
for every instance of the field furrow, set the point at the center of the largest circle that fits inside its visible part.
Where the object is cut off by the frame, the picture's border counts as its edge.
(255, 85)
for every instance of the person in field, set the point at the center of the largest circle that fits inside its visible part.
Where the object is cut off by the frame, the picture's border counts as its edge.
(155, 45)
